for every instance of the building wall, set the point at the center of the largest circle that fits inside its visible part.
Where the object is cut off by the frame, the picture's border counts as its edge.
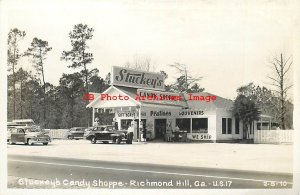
(210, 115)
(227, 114)
(214, 123)
(147, 115)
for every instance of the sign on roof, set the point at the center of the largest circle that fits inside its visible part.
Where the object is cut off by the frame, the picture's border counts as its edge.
(127, 77)
(160, 97)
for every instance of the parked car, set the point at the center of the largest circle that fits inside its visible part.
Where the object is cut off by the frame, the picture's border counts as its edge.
(29, 135)
(87, 131)
(76, 133)
(108, 134)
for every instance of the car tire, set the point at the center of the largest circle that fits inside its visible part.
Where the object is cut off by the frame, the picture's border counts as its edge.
(46, 143)
(93, 140)
(10, 142)
(119, 140)
(114, 140)
(29, 142)
(70, 137)
(106, 142)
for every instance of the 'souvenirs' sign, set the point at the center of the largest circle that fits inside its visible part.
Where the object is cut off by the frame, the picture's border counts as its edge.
(127, 77)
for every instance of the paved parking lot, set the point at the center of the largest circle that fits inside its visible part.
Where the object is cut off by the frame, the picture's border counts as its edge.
(256, 157)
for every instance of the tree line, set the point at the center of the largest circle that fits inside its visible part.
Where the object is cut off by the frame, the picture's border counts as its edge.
(254, 101)
(31, 96)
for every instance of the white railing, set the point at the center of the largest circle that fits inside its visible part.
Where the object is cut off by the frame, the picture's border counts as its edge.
(273, 136)
(58, 133)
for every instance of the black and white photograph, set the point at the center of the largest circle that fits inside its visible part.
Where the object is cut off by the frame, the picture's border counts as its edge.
(150, 97)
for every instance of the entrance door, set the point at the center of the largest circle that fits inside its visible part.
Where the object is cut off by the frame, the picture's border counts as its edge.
(160, 128)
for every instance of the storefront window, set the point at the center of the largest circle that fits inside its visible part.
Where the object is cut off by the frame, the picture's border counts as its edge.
(229, 125)
(263, 126)
(125, 123)
(258, 126)
(237, 126)
(184, 124)
(224, 125)
(199, 125)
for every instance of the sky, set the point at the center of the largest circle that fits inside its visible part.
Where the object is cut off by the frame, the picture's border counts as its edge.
(229, 43)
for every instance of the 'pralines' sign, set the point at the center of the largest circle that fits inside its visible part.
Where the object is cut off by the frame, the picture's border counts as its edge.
(127, 77)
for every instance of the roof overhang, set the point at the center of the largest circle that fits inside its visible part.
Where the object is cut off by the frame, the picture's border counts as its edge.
(113, 91)
(131, 102)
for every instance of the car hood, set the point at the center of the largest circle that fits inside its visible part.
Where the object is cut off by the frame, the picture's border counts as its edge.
(76, 131)
(37, 134)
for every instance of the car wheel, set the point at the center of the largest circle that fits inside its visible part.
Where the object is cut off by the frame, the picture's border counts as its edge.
(93, 140)
(46, 143)
(70, 137)
(119, 139)
(29, 142)
(10, 142)
(105, 142)
(114, 140)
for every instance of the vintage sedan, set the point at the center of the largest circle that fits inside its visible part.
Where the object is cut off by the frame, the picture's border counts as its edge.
(76, 133)
(108, 134)
(28, 135)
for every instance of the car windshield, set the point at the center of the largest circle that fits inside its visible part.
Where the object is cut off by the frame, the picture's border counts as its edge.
(109, 128)
(32, 130)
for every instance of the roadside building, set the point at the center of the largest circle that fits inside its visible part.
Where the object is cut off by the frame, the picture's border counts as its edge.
(140, 97)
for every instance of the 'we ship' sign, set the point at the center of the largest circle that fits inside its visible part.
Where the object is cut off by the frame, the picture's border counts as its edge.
(127, 77)
(199, 136)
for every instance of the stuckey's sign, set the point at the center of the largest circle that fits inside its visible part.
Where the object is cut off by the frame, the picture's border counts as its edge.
(127, 77)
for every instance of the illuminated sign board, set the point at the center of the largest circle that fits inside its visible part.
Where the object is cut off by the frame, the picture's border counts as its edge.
(127, 77)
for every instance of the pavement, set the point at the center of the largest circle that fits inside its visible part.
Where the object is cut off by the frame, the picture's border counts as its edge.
(247, 157)
(32, 172)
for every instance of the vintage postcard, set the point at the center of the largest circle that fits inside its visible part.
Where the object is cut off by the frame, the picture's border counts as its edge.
(150, 97)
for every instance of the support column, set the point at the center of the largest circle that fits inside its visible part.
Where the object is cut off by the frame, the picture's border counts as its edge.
(140, 123)
(93, 117)
(261, 123)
